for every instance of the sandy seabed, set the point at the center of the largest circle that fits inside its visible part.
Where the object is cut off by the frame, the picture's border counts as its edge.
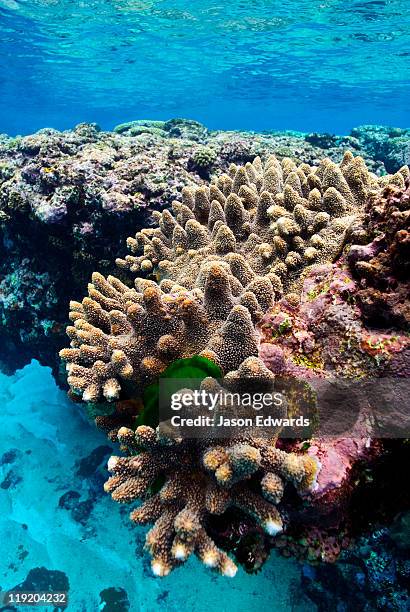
(54, 515)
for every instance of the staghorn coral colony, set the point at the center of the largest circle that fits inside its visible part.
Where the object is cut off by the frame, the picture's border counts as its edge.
(202, 280)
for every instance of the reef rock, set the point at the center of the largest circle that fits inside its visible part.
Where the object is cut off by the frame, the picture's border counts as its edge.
(383, 265)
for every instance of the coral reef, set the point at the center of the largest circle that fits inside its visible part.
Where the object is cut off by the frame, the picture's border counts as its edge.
(201, 479)
(216, 277)
(324, 334)
(372, 576)
(372, 572)
(314, 546)
(323, 337)
(74, 529)
(68, 199)
(203, 159)
(383, 264)
(387, 144)
(246, 263)
(222, 258)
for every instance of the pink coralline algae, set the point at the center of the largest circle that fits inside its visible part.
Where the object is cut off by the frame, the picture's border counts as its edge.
(320, 339)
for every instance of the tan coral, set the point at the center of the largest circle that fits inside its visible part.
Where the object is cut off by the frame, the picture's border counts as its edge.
(216, 263)
(204, 477)
(226, 250)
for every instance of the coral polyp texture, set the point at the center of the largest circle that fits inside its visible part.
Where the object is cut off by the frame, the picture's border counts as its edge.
(68, 199)
(219, 261)
(202, 478)
(201, 284)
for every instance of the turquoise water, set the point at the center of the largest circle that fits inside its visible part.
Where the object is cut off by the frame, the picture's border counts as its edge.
(48, 450)
(323, 65)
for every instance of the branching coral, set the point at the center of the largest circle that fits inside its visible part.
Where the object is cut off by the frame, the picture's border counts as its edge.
(204, 478)
(215, 266)
(221, 259)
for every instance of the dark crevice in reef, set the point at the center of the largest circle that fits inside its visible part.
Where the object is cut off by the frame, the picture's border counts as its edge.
(376, 499)
(373, 572)
(379, 495)
(39, 274)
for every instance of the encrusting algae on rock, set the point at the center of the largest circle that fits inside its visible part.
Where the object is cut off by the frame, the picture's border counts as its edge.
(383, 265)
(205, 276)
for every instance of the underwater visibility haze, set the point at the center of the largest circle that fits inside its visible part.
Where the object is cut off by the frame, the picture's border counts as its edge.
(323, 65)
(213, 196)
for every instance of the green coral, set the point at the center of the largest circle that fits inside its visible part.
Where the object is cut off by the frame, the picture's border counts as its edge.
(191, 370)
(204, 157)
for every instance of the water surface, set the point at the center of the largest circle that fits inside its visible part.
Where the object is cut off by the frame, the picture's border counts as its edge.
(295, 64)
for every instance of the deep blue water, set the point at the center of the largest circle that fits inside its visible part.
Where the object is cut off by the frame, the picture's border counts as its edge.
(323, 65)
